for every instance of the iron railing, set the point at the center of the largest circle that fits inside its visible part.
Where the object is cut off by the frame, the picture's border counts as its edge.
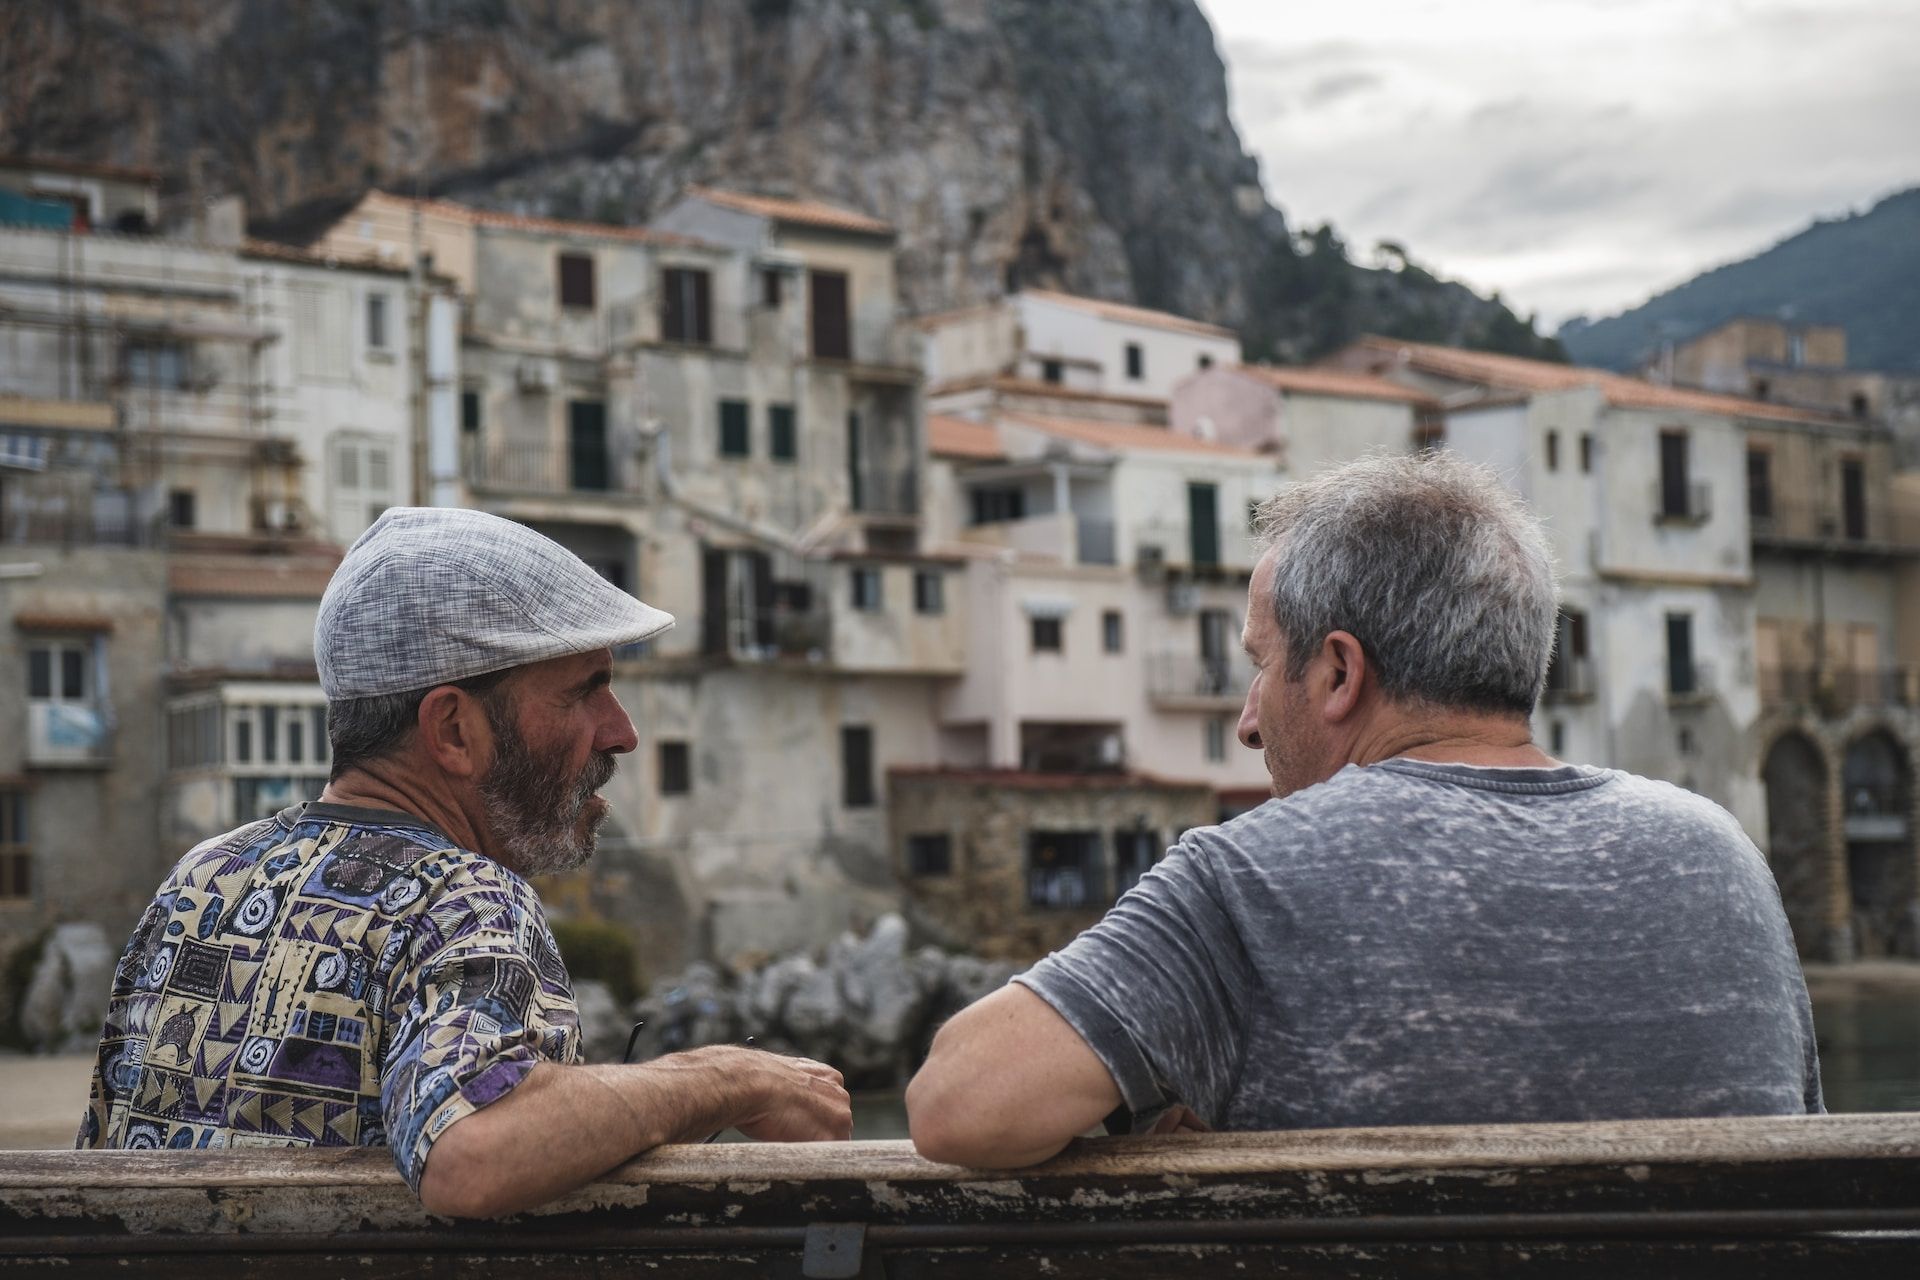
(1185, 676)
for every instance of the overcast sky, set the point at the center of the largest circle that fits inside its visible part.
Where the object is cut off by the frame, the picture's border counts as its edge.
(1577, 155)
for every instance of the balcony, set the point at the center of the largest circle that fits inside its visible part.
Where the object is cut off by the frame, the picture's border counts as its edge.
(579, 470)
(1830, 527)
(1688, 504)
(1569, 681)
(1834, 691)
(1185, 681)
(894, 495)
(69, 735)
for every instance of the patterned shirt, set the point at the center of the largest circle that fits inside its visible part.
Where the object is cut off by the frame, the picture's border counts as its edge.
(330, 976)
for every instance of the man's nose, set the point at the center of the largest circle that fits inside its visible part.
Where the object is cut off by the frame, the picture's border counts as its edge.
(616, 729)
(1248, 730)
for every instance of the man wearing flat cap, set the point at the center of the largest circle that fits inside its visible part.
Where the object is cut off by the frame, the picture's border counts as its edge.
(372, 968)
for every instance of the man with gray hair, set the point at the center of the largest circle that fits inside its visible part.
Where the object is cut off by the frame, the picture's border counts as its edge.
(1432, 922)
(373, 968)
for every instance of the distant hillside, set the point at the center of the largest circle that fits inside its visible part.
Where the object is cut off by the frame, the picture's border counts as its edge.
(1082, 146)
(1861, 271)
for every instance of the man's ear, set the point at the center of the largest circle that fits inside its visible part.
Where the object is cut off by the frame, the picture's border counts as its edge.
(1347, 675)
(453, 732)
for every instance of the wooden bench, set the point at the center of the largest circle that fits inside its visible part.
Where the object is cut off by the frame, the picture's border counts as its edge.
(1743, 1199)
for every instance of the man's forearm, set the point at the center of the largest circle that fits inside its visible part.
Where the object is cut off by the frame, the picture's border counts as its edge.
(563, 1126)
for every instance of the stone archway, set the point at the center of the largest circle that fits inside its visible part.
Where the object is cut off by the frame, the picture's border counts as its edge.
(1798, 841)
(1876, 790)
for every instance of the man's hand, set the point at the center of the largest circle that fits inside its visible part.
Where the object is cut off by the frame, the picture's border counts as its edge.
(806, 1102)
(1179, 1119)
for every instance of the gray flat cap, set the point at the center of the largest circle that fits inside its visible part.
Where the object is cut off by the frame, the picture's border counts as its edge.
(434, 594)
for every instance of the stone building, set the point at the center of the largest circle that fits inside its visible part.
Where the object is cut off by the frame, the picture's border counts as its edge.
(182, 413)
(722, 413)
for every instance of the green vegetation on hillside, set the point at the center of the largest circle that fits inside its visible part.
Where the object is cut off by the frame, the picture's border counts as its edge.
(1862, 272)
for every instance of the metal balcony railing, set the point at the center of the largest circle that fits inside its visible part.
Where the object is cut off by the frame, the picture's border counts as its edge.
(886, 494)
(1839, 689)
(1785, 521)
(1569, 680)
(1185, 677)
(503, 466)
(1696, 507)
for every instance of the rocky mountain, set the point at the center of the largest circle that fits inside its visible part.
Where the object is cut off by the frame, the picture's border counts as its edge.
(1862, 272)
(1083, 146)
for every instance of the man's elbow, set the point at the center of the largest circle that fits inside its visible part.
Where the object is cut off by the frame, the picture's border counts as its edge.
(951, 1122)
(460, 1183)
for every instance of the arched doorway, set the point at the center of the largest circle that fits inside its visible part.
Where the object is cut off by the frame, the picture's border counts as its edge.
(1877, 795)
(1796, 776)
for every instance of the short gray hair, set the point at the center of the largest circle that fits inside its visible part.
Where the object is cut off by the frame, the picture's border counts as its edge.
(1437, 567)
(361, 731)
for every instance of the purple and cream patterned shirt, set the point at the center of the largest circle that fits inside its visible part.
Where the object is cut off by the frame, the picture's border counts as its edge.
(331, 976)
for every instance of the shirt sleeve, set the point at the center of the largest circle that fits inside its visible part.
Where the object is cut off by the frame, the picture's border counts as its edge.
(482, 998)
(1157, 989)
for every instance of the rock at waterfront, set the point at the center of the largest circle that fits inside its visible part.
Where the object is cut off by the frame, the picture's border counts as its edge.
(63, 1005)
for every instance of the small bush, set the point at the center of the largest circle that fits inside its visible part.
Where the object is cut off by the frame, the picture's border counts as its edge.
(600, 952)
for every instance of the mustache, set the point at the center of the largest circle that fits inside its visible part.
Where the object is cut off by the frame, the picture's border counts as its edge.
(597, 773)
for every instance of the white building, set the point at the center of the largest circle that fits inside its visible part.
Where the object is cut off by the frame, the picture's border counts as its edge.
(1078, 344)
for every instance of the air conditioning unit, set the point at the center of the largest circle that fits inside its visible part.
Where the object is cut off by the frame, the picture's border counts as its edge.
(534, 375)
(1182, 597)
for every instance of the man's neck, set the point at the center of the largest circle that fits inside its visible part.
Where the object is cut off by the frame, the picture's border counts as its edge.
(1454, 738)
(377, 788)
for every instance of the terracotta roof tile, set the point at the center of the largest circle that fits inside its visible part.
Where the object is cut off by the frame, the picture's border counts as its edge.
(950, 437)
(83, 168)
(62, 622)
(1517, 373)
(250, 577)
(808, 213)
(1126, 313)
(1334, 382)
(1125, 435)
(1046, 390)
(274, 251)
(542, 226)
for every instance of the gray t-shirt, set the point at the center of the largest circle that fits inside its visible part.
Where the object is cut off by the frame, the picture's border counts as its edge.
(1414, 943)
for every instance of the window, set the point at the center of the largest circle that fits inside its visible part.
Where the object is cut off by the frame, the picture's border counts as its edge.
(155, 365)
(269, 735)
(733, 429)
(1052, 371)
(930, 855)
(1206, 361)
(1557, 736)
(1760, 388)
(866, 588)
(1853, 499)
(16, 858)
(1203, 524)
(180, 509)
(377, 321)
(296, 739)
(1566, 668)
(1682, 679)
(1673, 475)
(929, 591)
(676, 769)
(1586, 453)
(831, 332)
(782, 445)
(322, 749)
(769, 287)
(1136, 362)
(1553, 450)
(57, 671)
(856, 766)
(576, 282)
(1046, 635)
(1111, 631)
(1859, 406)
(1216, 739)
(1135, 850)
(1064, 869)
(686, 310)
(470, 411)
(993, 504)
(1760, 484)
(243, 735)
(362, 485)
(1796, 348)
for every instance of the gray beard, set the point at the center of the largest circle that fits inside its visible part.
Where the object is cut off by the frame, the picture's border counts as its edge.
(534, 810)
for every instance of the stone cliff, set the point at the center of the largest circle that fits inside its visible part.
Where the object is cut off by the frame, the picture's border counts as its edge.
(1084, 145)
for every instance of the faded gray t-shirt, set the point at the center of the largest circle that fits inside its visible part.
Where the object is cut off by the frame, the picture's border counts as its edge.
(1414, 943)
